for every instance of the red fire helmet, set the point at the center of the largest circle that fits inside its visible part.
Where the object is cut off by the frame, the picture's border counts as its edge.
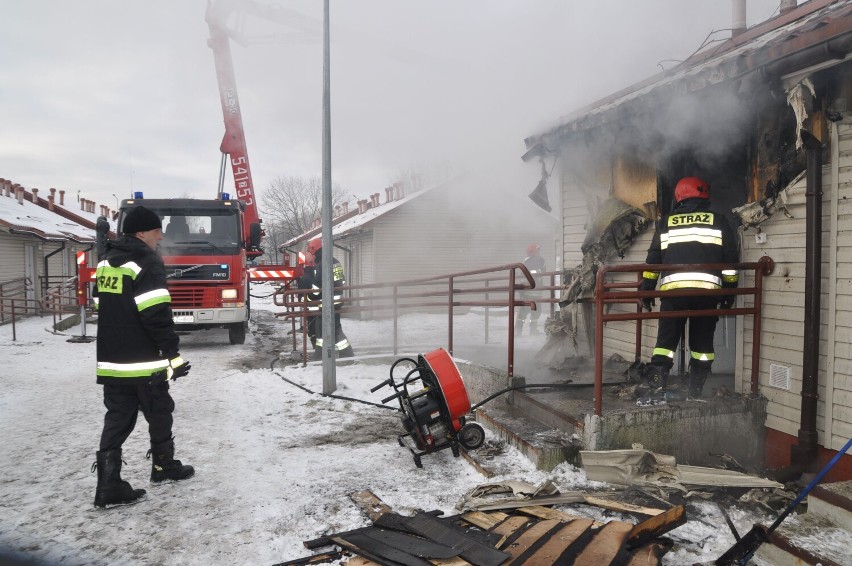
(532, 249)
(691, 187)
(314, 245)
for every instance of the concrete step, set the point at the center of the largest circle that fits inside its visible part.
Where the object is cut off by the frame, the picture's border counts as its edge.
(823, 535)
(834, 502)
(543, 445)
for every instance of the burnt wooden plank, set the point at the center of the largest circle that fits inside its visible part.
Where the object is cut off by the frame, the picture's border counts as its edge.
(323, 558)
(381, 549)
(622, 507)
(560, 541)
(531, 539)
(549, 513)
(477, 465)
(450, 562)
(606, 546)
(484, 520)
(473, 551)
(508, 528)
(361, 552)
(650, 529)
(369, 502)
(649, 555)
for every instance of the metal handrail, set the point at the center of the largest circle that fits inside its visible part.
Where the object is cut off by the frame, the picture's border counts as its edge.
(449, 288)
(607, 293)
(61, 299)
(14, 302)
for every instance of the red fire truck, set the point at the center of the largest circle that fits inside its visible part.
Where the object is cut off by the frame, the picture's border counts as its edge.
(209, 246)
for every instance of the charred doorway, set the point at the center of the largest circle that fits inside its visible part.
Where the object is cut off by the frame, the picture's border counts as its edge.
(728, 178)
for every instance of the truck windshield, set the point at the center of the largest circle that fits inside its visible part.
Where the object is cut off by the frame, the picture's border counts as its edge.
(199, 232)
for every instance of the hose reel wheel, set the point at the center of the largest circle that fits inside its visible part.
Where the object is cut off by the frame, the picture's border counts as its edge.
(471, 436)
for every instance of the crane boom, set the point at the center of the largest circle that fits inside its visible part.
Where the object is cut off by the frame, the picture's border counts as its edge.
(234, 141)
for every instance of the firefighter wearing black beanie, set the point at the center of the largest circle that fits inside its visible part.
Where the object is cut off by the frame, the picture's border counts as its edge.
(138, 356)
(141, 219)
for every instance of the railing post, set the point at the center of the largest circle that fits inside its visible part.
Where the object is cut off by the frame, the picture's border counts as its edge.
(487, 312)
(511, 369)
(14, 335)
(396, 319)
(599, 291)
(450, 314)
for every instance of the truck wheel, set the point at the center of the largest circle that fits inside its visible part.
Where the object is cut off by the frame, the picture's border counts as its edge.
(237, 333)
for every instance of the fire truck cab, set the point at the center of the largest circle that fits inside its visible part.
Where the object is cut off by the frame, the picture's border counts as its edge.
(204, 250)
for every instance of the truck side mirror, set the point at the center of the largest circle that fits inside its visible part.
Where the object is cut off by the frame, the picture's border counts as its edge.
(255, 234)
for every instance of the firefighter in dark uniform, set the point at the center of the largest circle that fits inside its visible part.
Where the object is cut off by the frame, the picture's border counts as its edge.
(341, 344)
(137, 355)
(691, 233)
(535, 264)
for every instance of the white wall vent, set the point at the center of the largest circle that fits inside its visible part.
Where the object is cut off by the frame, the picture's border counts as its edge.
(779, 376)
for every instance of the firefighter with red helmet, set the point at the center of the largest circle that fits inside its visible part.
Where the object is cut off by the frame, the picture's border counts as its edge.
(691, 234)
(314, 281)
(535, 264)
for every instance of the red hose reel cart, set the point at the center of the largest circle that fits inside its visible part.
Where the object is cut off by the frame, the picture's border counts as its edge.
(433, 403)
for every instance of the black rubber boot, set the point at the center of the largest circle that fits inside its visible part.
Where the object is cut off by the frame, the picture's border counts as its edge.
(697, 377)
(112, 490)
(346, 352)
(658, 378)
(164, 467)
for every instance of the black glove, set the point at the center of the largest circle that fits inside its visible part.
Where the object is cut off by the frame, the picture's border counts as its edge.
(727, 301)
(178, 367)
(648, 285)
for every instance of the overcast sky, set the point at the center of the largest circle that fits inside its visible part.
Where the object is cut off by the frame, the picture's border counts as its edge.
(106, 97)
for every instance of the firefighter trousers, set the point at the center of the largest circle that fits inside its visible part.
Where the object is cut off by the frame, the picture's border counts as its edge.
(123, 403)
(701, 331)
(341, 342)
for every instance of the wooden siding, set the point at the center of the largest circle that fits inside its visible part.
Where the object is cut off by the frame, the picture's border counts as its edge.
(783, 303)
(11, 256)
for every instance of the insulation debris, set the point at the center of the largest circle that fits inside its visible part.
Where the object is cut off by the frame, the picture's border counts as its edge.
(758, 212)
(644, 468)
(611, 234)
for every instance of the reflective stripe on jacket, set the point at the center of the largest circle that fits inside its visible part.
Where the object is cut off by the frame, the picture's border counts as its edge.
(136, 336)
(692, 234)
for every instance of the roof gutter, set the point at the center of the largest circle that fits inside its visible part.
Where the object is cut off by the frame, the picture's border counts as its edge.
(20, 232)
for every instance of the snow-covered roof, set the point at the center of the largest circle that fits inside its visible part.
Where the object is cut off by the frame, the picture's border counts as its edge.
(22, 216)
(810, 26)
(353, 220)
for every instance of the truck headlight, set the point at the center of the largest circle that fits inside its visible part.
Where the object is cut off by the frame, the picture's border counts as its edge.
(229, 293)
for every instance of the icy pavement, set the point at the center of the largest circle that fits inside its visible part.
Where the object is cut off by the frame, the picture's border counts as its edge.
(274, 463)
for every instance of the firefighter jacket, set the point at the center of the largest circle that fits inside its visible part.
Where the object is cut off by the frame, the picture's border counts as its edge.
(136, 334)
(316, 281)
(691, 233)
(535, 264)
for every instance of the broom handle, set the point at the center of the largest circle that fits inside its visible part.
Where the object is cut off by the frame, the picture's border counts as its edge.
(810, 486)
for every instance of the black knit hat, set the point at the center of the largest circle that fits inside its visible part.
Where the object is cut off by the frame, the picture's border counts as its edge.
(140, 219)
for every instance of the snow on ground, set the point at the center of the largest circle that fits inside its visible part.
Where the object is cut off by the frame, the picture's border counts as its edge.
(274, 464)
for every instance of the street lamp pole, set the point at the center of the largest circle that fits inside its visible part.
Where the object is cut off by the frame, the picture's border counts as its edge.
(329, 377)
